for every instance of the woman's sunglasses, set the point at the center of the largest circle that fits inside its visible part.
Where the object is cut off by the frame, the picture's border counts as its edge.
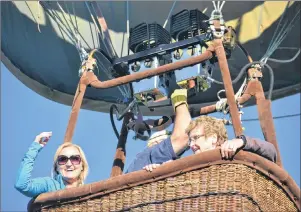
(63, 159)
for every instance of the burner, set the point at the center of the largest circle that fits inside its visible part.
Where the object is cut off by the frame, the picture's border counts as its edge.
(187, 24)
(146, 36)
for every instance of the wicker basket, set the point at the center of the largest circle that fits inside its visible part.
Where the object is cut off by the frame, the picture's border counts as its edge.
(188, 184)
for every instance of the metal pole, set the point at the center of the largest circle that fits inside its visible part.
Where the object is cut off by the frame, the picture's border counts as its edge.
(120, 155)
(77, 102)
(96, 83)
(266, 118)
(223, 64)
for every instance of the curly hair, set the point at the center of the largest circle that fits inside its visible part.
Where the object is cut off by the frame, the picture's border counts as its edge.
(211, 126)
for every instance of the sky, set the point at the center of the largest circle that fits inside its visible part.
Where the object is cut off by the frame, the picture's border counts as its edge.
(24, 114)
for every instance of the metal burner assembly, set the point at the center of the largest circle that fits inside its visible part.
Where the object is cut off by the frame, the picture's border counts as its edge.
(184, 25)
(145, 37)
(154, 46)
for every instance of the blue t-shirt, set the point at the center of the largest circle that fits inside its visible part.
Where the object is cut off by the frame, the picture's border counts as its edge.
(157, 154)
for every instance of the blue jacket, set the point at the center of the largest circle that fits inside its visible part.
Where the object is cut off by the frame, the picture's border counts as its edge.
(33, 187)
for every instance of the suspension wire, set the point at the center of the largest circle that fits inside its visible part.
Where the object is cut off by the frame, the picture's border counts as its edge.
(128, 24)
(98, 29)
(69, 28)
(75, 25)
(125, 92)
(35, 19)
(76, 33)
(169, 14)
(214, 5)
(108, 74)
(72, 37)
(275, 117)
(100, 32)
(71, 21)
(222, 5)
(63, 12)
(105, 31)
(92, 17)
(281, 37)
(55, 18)
(278, 25)
(74, 13)
(283, 32)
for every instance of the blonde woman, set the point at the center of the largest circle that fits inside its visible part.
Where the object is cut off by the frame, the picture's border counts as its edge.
(70, 168)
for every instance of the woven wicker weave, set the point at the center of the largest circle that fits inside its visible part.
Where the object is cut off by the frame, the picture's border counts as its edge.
(222, 187)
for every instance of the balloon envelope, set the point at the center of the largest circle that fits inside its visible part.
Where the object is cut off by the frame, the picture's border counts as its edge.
(38, 44)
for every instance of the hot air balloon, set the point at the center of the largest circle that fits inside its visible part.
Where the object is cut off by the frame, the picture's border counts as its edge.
(224, 53)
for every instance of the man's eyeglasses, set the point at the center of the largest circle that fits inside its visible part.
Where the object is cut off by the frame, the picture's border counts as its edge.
(194, 138)
(63, 159)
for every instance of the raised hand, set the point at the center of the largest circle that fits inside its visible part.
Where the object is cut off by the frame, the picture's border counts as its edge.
(43, 138)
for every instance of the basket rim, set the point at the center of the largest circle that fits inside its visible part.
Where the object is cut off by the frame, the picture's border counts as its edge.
(180, 166)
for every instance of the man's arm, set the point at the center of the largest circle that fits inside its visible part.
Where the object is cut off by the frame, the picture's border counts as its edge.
(179, 138)
(262, 148)
(156, 154)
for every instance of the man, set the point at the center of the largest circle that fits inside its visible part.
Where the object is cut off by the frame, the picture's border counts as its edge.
(168, 147)
(207, 133)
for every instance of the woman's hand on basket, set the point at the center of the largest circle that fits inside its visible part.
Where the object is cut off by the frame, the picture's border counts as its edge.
(43, 138)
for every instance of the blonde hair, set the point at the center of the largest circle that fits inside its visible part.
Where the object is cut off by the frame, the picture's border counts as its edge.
(84, 172)
(211, 126)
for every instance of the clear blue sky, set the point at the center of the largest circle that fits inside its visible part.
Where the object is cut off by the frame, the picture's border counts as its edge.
(24, 114)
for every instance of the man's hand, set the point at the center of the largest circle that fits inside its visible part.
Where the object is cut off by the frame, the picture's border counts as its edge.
(151, 167)
(43, 138)
(229, 148)
(178, 97)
